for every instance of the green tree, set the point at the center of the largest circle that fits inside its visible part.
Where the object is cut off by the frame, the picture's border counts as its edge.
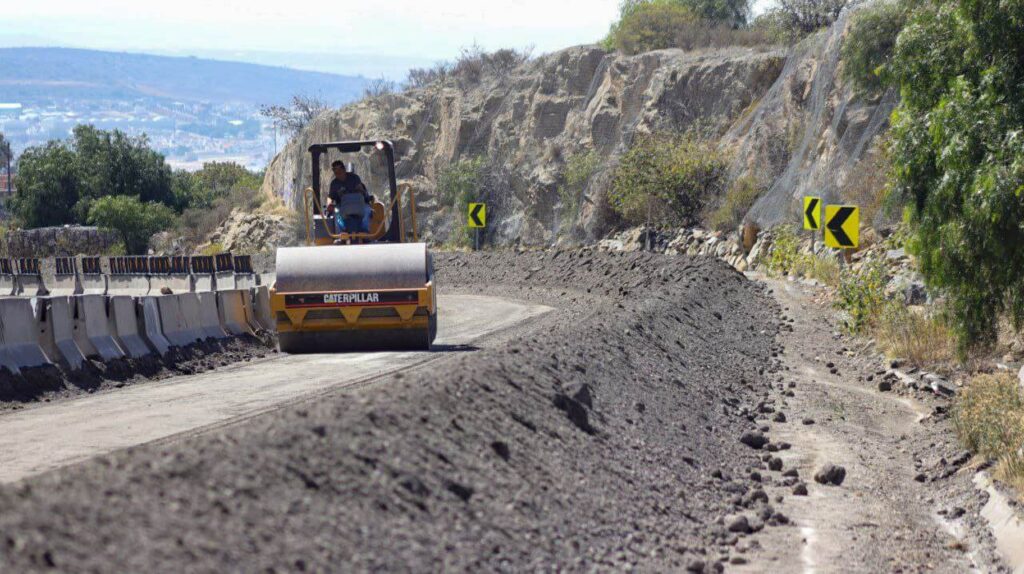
(653, 25)
(58, 182)
(958, 156)
(134, 220)
(870, 43)
(112, 163)
(48, 186)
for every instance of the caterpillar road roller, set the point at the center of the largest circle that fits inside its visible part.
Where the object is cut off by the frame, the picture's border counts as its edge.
(356, 290)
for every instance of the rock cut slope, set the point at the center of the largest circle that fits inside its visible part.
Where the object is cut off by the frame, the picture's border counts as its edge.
(606, 436)
(529, 122)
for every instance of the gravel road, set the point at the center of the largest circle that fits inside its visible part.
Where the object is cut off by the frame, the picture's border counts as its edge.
(50, 436)
(601, 435)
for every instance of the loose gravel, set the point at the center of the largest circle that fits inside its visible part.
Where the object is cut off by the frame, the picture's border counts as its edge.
(606, 436)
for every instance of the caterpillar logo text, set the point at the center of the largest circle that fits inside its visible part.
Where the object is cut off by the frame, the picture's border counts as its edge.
(351, 298)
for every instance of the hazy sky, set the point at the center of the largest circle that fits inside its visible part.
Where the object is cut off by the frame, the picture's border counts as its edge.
(433, 29)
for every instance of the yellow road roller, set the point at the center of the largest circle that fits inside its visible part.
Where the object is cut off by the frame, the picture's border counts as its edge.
(356, 288)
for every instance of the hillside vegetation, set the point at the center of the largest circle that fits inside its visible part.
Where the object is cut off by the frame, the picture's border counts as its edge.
(118, 182)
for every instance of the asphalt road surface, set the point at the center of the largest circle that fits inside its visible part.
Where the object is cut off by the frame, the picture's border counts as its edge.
(49, 436)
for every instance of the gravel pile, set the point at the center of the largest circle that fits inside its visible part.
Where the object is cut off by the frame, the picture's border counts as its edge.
(605, 437)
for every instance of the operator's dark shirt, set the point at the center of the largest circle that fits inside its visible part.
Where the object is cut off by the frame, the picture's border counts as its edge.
(352, 184)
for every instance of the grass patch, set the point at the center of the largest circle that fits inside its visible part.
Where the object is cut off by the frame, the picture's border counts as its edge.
(785, 258)
(738, 200)
(578, 171)
(923, 340)
(989, 420)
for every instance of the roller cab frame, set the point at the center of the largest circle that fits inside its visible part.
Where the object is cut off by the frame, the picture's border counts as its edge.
(358, 291)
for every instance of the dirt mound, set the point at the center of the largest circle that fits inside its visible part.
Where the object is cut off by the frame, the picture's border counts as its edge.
(605, 437)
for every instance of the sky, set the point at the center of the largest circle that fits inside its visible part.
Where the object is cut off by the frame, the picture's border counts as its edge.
(414, 29)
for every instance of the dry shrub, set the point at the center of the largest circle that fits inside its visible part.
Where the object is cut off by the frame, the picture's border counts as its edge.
(738, 200)
(989, 420)
(867, 187)
(924, 340)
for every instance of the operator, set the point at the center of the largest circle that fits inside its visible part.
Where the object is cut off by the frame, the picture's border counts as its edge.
(350, 200)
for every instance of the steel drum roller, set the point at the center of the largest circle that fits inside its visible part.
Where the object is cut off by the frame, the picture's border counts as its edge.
(352, 268)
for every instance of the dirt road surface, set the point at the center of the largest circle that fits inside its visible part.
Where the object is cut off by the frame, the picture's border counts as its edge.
(50, 436)
(651, 421)
(904, 505)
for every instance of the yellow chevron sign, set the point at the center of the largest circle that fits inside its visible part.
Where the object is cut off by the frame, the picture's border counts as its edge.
(812, 213)
(842, 226)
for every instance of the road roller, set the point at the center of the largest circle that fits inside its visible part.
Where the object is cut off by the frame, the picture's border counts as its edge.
(356, 291)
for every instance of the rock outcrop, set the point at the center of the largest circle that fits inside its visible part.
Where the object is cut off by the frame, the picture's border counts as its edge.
(785, 116)
(528, 123)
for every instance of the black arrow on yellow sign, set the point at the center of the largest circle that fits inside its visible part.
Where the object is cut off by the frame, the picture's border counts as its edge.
(835, 226)
(477, 215)
(812, 209)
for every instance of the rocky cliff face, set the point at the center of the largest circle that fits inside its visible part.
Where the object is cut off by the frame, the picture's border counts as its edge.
(784, 115)
(530, 122)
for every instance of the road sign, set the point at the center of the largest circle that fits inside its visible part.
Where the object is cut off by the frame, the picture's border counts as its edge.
(842, 226)
(812, 213)
(477, 215)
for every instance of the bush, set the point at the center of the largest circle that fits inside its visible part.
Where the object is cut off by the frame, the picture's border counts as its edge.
(957, 158)
(423, 77)
(197, 223)
(57, 183)
(378, 88)
(989, 420)
(134, 220)
(458, 185)
(660, 24)
(861, 295)
(666, 180)
(734, 206)
(870, 43)
(474, 64)
(578, 171)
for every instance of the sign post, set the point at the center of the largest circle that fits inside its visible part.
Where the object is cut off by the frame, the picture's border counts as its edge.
(477, 220)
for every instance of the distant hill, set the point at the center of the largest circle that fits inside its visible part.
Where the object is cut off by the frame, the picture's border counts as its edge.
(34, 74)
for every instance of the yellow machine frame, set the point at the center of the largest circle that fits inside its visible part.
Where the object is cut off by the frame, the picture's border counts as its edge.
(361, 313)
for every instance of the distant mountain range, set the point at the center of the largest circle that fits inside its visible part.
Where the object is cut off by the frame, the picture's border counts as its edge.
(39, 74)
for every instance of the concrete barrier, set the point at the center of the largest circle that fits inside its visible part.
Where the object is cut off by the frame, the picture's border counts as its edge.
(65, 277)
(6, 278)
(169, 273)
(19, 330)
(94, 282)
(202, 273)
(209, 316)
(231, 310)
(58, 332)
(224, 267)
(124, 324)
(128, 276)
(28, 282)
(152, 328)
(264, 316)
(192, 314)
(93, 334)
(173, 320)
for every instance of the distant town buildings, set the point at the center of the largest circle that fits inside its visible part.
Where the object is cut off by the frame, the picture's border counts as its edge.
(3, 185)
(187, 134)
